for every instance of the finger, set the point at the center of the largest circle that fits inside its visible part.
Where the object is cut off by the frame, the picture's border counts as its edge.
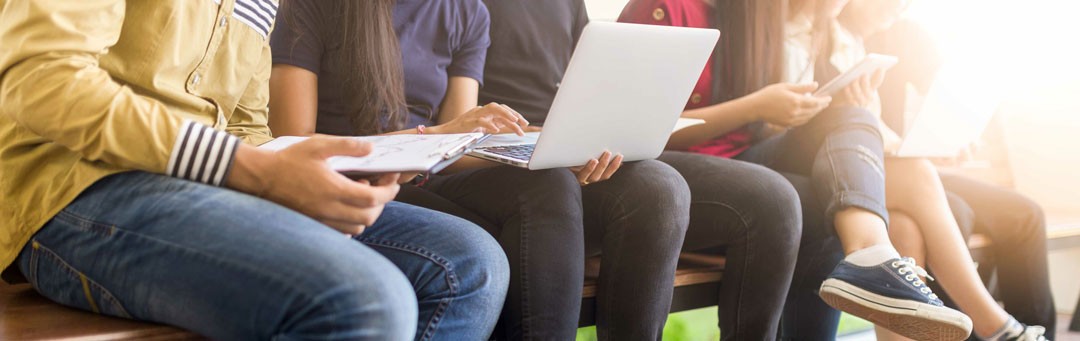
(346, 215)
(363, 196)
(387, 179)
(326, 147)
(346, 228)
(521, 118)
(613, 167)
(810, 102)
(879, 78)
(503, 122)
(804, 88)
(601, 166)
(583, 174)
(497, 109)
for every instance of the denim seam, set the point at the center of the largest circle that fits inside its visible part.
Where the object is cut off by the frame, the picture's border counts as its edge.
(614, 267)
(451, 277)
(746, 260)
(88, 283)
(523, 255)
(85, 223)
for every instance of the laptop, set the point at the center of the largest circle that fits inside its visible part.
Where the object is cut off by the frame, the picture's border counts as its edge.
(950, 118)
(623, 92)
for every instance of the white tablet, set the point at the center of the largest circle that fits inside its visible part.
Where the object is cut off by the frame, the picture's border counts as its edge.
(868, 65)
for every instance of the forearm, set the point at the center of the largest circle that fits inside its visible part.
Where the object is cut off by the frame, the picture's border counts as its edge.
(719, 119)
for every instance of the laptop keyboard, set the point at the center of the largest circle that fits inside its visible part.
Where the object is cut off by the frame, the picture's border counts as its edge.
(521, 152)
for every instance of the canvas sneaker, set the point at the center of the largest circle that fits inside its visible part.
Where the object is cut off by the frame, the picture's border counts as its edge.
(892, 295)
(1031, 333)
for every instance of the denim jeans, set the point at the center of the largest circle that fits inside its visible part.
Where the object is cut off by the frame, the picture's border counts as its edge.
(754, 214)
(806, 316)
(231, 266)
(842, 153)
(836, 161)
(548, 223)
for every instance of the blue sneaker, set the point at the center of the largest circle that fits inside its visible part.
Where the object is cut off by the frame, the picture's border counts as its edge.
(892, 295)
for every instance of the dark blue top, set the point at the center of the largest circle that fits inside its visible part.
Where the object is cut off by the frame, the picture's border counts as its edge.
(439, 39)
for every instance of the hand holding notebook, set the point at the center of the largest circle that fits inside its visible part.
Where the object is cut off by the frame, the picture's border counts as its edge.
(396, 153)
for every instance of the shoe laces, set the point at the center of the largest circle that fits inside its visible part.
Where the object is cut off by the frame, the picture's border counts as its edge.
(1032, 333)
(906, 266)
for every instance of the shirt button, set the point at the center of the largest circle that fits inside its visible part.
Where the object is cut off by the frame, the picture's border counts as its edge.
(695, 98)
(224, 21)
(658, 14)
(195, 79)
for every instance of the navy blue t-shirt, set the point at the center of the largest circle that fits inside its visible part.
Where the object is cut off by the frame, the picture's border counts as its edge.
(439, 39)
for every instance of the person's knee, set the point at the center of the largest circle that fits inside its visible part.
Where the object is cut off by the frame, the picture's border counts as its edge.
(481, 261)
(848, 116)
(362, 295)
(657, 196)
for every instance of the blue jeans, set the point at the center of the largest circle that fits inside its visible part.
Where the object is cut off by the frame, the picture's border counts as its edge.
(231, 266)
(841, 152)
(835, 161)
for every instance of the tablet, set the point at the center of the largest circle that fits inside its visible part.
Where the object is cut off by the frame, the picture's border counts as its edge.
(868, 65)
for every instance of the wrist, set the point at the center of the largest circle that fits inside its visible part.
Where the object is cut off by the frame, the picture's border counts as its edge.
(249, 170)
(435, 130)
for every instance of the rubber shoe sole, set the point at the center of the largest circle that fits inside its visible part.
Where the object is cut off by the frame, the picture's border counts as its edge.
(918, 321)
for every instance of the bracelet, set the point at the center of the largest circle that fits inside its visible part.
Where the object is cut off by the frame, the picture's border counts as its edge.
(420, 129)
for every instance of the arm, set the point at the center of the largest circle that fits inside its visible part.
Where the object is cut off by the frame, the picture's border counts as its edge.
(294, 101)
(52, 86)
(782, 104)
(249, 120)
(461, 96)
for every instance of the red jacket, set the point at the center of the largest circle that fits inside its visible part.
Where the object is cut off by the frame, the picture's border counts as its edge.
(690, 13)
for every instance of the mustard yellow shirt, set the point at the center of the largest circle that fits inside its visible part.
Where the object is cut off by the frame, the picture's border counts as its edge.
(90, 88)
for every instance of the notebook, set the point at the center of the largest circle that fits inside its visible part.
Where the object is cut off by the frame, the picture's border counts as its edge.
(397, 153)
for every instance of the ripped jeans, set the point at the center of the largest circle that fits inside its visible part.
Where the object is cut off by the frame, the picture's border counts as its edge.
(838, 157)
(842, 153)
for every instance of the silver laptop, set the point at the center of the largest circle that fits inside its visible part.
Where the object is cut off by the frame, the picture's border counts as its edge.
(623, 91)
(949, 119)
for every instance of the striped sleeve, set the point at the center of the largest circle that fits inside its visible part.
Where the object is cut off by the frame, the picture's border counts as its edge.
(202, 154)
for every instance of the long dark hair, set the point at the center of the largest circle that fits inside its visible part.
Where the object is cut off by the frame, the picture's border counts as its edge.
(750, 54)
(365, 51)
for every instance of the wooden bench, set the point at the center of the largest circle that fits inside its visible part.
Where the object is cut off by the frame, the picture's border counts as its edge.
(25, 315)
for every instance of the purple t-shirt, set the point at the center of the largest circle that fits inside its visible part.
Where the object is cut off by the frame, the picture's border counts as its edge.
(439, 39)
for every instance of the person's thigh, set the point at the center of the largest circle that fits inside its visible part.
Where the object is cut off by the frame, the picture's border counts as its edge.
(538, 215)
(457, 269)
(753, 212)
(223, 264)
(636, 221)
(421, 197)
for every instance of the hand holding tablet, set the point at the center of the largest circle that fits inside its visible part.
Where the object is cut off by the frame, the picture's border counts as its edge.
(872, 63)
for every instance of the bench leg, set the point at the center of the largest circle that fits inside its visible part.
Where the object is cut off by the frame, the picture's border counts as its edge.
(1075, 325)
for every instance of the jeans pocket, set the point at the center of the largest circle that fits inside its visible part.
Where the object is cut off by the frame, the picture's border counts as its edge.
(56, 279)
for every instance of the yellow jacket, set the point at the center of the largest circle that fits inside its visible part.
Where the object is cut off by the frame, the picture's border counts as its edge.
(90, 88)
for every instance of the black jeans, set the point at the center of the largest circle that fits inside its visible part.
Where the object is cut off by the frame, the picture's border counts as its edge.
(1017, 227)
(754, 214)
(547, 224)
